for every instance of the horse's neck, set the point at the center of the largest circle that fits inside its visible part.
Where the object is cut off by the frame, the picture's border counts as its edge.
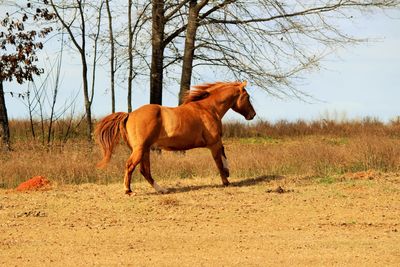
(221, 103)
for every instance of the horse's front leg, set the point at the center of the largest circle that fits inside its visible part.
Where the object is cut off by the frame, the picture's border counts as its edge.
(220, 159)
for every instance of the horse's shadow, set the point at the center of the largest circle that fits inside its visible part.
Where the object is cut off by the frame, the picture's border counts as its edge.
(242, 183)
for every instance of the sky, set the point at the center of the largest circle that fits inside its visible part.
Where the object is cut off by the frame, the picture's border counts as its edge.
(355, 82)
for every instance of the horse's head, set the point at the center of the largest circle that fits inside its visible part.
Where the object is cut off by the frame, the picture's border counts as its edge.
(242, 105)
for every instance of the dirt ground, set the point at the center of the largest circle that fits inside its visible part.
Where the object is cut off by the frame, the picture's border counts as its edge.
(353, 221)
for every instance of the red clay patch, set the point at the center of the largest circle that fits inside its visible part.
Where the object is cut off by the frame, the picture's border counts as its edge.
(34, 184)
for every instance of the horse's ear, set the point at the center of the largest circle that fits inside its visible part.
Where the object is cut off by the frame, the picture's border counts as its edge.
(242, 86)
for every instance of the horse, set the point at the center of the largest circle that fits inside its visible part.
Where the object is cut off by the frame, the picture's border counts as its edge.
(195, 123)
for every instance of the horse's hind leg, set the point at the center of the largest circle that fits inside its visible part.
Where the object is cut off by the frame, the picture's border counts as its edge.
(130, 166)
(145, 171)
(221, 161)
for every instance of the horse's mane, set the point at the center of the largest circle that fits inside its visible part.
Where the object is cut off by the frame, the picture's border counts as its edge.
(201, 91)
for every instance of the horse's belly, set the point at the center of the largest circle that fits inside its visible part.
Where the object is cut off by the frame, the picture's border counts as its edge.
(180, 142)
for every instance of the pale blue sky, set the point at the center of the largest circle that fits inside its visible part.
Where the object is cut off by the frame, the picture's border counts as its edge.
(358, 81)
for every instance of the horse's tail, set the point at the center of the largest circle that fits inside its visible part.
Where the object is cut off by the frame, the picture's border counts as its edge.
(108, 132)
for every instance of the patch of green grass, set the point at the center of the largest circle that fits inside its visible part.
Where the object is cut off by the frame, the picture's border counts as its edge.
(326, 168)
(327, 180)
(186, 173)
(356, 167)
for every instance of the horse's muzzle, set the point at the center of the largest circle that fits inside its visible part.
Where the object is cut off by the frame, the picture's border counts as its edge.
(250, 116)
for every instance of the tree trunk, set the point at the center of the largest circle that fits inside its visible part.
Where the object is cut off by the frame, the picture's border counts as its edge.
(4, 128)
(86, 97)
(187, 65)
(112, 56)
(55, 93)
(157, 57)
(130, 55)
(88, 103)
(88, 108)
(31, 115)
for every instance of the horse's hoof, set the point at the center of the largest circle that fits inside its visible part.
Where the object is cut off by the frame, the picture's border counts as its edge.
(226, 171)
(159, 189)
(226, 183)
(129, 193)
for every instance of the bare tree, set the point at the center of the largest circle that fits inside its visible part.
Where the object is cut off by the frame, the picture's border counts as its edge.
(166, 15)
(193, 21)
(130, 56)
(74, 18)
(112, 55)
(136, 48)
(270, 43)
(55, 90)
(157, 55)
(96, 36)
(30, 107)
(41, 98)
(4, 128)
(188, 53)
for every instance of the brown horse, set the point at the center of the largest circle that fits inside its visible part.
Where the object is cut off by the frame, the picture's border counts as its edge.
(195, 123)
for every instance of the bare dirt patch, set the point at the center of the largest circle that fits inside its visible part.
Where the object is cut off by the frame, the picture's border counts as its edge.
(202, 223)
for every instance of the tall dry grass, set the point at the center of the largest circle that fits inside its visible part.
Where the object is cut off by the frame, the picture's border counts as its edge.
(62, 130)
(75, 128)
(313, 156)
(316, 149)
(344, 128)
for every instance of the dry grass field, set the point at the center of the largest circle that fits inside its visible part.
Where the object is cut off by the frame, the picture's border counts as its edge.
(338, 201)
(351, 220)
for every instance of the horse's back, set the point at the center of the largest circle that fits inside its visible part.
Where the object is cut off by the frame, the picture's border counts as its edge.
(152, 122)
(185, 127)
(171, 128)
